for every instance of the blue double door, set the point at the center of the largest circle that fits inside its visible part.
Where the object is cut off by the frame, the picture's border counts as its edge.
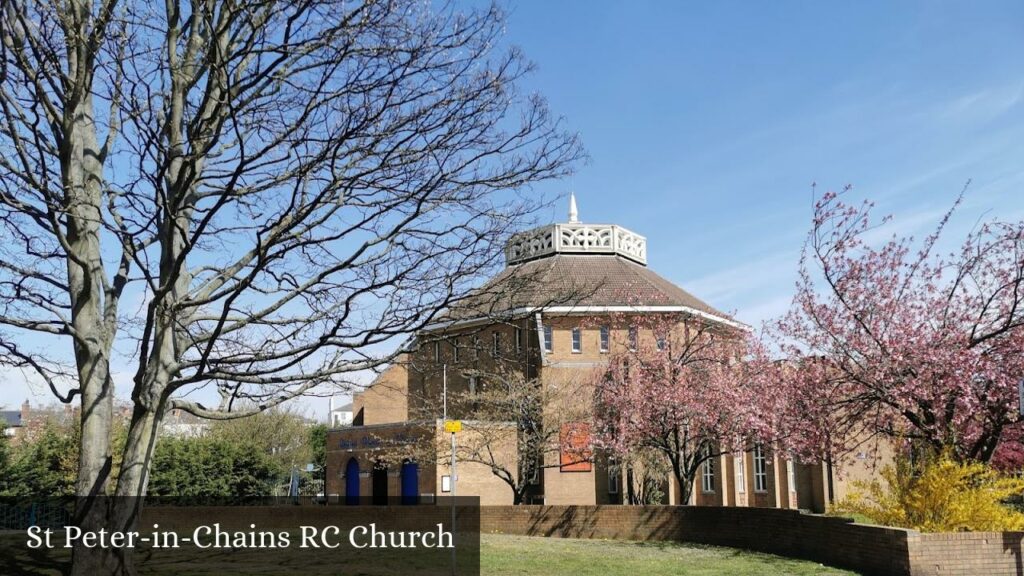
(410, 483)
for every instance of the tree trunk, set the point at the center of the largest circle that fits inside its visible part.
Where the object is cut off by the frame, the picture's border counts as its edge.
(138, 451)
(684, 480)
(685, 489)
(82, 174)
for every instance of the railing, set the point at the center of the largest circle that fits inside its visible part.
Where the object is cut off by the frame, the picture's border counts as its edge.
(48, 514)
(577, 239)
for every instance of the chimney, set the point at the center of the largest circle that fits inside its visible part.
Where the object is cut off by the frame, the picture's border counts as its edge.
(25, 409)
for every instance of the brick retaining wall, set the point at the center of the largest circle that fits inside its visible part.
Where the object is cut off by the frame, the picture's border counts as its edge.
(833, 541)
(967, 554)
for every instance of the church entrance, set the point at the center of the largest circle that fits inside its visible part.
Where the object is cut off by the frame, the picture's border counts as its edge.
(380, 484)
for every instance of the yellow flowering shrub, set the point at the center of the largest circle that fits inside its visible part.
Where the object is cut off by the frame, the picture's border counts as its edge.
(942, 495)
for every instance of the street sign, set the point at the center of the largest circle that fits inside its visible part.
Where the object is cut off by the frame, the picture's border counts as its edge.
(453, 426)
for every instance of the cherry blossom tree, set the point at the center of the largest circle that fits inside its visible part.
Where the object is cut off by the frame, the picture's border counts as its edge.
(898, 341)
(688, 390)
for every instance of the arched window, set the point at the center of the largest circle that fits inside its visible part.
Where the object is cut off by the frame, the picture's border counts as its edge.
(410, 482)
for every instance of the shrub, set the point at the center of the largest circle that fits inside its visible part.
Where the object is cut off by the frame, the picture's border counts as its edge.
(938, 495)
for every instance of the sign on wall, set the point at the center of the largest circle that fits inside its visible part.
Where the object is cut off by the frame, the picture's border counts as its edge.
(575, 451)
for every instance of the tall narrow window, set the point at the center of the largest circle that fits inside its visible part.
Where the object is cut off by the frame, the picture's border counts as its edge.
(519, 340)
(614, 476)
(661, 342)
(604, 338)
(741, 476)
(472, 384)
(455, 349)
(496, 344)
(708, 474)
(577, 340)
(760, 469)
(534, 472)
(476, 347)
(548, 334)
(633, 338)
(437, 351)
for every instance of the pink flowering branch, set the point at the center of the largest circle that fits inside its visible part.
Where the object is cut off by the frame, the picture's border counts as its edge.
(904, 343)
(687, 389)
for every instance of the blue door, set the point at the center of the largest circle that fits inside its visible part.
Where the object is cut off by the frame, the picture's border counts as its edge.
(352, 482)
(410, 482)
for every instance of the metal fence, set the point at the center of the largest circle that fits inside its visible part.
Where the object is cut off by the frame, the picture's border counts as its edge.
(22, 515)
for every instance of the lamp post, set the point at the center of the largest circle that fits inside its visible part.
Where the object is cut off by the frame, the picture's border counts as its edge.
(452, 427)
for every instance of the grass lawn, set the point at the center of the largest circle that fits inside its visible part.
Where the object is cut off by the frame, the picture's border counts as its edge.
(499, 556)
(525, 556)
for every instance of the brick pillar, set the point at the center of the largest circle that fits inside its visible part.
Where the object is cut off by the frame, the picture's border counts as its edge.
(779, 482)
(726, 480)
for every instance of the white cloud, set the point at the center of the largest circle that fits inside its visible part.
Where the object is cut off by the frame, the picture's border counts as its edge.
(731, 285)
(981, 105)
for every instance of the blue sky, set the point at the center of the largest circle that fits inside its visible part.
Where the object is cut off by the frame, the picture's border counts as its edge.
(707, 122)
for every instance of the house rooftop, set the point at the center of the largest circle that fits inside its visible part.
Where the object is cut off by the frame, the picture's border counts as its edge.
(10, 419)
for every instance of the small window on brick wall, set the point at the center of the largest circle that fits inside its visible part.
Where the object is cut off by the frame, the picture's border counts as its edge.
(760, 469)
(708, 472)
(741, 476)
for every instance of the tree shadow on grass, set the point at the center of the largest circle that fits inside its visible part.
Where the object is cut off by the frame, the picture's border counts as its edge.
(19, 560)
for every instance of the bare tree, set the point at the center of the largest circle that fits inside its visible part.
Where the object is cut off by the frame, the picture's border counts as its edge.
(522, 417)
(283, 186)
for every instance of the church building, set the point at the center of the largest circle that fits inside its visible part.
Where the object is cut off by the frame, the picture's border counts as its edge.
(563, 304)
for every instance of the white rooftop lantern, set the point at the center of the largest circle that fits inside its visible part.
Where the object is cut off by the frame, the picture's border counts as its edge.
(575, 237)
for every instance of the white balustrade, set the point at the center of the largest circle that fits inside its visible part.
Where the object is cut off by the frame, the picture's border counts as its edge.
(576, 238)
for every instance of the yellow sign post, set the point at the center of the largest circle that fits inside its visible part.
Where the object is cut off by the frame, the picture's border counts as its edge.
(453, 426)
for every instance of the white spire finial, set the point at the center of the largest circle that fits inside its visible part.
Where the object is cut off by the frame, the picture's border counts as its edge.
(574, 216)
